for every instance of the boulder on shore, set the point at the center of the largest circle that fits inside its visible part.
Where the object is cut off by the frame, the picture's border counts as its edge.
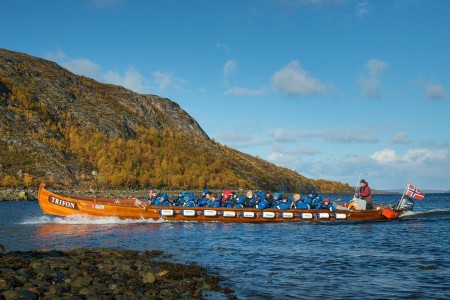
(101, 273)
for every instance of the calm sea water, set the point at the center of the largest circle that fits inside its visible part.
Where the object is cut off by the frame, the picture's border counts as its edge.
(400, 259)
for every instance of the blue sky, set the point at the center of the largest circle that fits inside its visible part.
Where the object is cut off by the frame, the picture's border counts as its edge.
(330, 88)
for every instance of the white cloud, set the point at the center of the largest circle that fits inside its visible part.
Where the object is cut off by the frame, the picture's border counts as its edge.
(281, 135)
(223, 46)
(334, 135)
(370, 83)
(162, 79)
(167, 80)
(418, 156)
(229, 67)
(294, 81)
(363, 8)
(290, 161)
(376, 67)
(296, 151)
(239, 139)
(435, 92)
(241, 91)
(400, 138)
(385, 156)
(131, 79)
(412, 157)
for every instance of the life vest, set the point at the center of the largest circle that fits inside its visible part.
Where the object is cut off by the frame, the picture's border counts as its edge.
(368, 198)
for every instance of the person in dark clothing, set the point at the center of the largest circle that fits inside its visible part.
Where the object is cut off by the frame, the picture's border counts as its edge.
(326, 204)
(269, 199)
(284, 204)
(206, 196)
(248, 199)
(365, 194)
(150, 200)
(214, 201)
(313, 199)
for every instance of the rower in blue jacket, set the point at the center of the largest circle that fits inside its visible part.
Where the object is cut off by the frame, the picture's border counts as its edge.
(160, 199)
(277, 198)
(229, 202)
(326, 204)
(216, 201)
(238, 202)
(262, 204)
(166, 201)
(190, 200)
(206, 195)
(284, 204)
(313, 199)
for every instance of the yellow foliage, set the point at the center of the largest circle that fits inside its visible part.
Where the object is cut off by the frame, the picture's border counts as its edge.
(9, 181)
(28, 180)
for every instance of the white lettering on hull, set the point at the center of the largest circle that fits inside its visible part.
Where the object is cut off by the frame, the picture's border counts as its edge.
(63, 203)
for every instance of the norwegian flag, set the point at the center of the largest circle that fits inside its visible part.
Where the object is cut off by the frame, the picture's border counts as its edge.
(415, 193)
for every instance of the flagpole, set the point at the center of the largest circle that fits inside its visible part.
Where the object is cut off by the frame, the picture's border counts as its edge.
(401, 199)
(356, 186)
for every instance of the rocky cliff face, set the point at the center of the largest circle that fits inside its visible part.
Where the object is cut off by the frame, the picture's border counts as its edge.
(55, 90)
(70, 130)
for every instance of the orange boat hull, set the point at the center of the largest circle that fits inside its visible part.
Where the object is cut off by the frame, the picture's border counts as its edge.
(62, 205)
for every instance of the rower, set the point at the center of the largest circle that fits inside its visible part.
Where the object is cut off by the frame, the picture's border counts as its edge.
(151, 197)
(284, 203)
(326, 204)
(313, 199)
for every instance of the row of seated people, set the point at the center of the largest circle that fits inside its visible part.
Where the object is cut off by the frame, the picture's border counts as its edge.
(260, 200)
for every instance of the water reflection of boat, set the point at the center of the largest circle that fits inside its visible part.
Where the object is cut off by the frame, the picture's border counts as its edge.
(65, 230)
(61, 205)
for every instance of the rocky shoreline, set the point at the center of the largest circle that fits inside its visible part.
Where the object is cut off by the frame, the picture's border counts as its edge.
(101, 273)
(31, 194)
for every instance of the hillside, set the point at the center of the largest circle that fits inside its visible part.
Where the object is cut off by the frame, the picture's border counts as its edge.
(69, 130)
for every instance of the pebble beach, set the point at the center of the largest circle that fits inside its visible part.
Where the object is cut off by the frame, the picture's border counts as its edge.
(101, 273)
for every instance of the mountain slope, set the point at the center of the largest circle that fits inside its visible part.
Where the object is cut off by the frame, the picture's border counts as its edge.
(70, 130)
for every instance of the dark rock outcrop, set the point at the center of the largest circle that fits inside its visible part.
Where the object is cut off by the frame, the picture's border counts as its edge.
(102, 274)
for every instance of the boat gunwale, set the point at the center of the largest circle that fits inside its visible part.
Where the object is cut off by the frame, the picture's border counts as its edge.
(112, 202)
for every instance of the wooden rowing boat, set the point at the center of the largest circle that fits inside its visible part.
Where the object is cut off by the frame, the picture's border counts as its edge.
(61, 205)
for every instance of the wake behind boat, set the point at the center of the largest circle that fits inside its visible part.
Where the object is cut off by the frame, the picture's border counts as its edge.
(63, 205)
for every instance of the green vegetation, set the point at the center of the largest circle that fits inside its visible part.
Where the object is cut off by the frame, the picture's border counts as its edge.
(69, 130)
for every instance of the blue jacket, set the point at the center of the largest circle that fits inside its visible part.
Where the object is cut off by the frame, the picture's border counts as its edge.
(328, 206)
(216, 203)
(285, 205)
(229, 202)
(275, 203)
(189, 203)
(301, 205)
(314, 200)
(160, 199)
(166, 203)
(202, 201)
(188, 197)
(262, 204)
